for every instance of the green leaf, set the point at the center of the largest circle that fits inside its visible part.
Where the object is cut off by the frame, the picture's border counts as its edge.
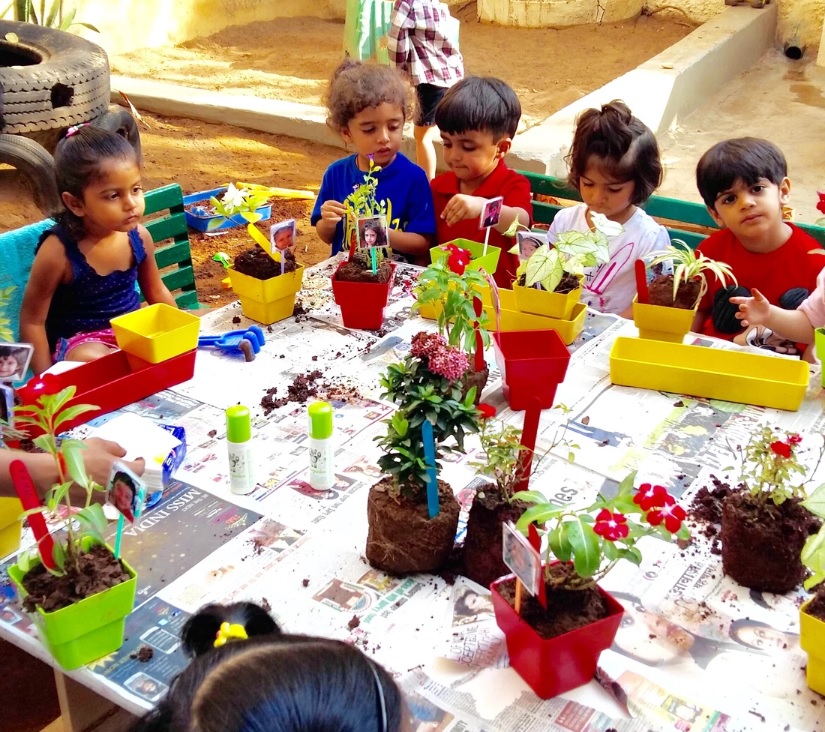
(59, 556)
(815, 503)
(544, 266)
(626, 486)
(559, 543)
(540, 514)
(95, 517)
(529, 496)
(585, 544)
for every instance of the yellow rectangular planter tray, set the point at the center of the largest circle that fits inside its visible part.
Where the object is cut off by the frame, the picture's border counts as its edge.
(157, 332)
(547, 304)
(267, 301)
(812, 641)
(659, 323)
(478, 260)
(11, 527)
(732, 376)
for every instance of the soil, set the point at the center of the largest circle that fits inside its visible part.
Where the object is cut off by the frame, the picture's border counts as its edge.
(660, 292)
(402, 538)
(817, 606)
(477, 379)
(566, 609)
(761, 542)
(358, 270)
(98, 570)
(259, 264)
(568, 283)
(482, 544)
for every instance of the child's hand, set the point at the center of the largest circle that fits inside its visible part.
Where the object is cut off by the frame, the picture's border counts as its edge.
(752, 310)
(332, 211)
(461, 207)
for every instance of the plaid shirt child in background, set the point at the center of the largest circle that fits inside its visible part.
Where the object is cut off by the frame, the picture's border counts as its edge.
(421, 45)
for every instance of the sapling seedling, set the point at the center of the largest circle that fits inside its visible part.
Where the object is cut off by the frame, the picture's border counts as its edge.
(690, 264)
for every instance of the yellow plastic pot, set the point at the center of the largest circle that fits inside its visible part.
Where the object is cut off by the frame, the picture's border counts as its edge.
(156, 333)
(819, 343)
(542, 302)
(11, 527)
(732, 376)
(812, 641)
(267, 301)
(659, 323)
(478, 260)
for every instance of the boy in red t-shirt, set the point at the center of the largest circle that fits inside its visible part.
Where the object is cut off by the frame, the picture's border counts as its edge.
(478, 118)
(744, 184)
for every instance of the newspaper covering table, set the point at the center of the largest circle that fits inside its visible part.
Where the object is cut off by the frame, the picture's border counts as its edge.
(695, 651)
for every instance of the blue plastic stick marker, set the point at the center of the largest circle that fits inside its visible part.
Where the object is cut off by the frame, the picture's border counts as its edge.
(429, 458)
(374, 259)
(121, 522)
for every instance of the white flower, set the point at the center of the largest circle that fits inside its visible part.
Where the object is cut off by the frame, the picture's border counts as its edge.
(234, 198)
(605, 225)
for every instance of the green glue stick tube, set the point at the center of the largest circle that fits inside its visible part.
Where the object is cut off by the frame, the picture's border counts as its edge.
(239, 444)
(321, 448)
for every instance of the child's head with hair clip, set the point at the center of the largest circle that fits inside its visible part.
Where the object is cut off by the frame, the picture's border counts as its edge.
(368, 105)
(614, 161)
(273, 682)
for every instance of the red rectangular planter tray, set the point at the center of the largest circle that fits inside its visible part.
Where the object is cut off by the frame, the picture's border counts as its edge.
(111, 382)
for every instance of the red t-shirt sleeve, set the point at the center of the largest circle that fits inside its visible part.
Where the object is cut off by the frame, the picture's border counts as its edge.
(516, 193)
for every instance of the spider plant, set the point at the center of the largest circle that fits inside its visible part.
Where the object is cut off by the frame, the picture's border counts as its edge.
(689, 264)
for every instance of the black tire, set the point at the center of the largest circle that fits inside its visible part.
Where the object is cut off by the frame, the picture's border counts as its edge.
(50, 79)
(120, 121)
(37, 165)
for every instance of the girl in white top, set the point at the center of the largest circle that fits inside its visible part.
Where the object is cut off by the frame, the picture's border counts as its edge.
(614, 164)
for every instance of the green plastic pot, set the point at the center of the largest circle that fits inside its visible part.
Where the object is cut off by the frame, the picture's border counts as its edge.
(89, 629)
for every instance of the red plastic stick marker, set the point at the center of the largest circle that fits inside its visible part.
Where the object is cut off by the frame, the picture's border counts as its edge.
(528, 441)
(641, 282)
(479, 355)
(24, 485)
(535, 542)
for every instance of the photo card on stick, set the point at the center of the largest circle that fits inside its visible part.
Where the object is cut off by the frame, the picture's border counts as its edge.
(522, 559)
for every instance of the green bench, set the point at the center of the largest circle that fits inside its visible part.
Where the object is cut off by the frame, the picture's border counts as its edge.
(683, 220)
(171, 237)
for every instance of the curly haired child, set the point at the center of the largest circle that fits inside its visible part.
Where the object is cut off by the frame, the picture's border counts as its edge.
(614, 164)
(368, 106)
(86, 267)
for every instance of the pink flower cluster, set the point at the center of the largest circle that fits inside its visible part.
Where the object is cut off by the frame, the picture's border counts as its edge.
(442, 359)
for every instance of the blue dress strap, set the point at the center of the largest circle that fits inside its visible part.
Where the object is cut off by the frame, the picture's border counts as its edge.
(138, 250)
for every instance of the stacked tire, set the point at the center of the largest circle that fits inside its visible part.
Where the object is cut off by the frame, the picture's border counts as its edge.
(49, 81)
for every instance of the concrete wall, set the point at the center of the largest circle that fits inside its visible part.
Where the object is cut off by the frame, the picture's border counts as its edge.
(547, 13)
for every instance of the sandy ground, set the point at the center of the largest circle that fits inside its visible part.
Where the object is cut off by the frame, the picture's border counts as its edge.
(778, 99)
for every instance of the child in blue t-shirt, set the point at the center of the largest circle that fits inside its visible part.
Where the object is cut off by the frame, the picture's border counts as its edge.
(368, 106)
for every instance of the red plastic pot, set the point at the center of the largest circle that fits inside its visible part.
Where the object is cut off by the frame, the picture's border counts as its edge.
(552, 666)
(532, 363)
(362, 303)
(109, 383)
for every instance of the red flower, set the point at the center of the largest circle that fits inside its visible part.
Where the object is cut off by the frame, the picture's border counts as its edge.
(649, 496)
(672, 514)
(458, 261)
(611, 525)
(486, 411)
(794, 439)
(783, 449)
(820, 206)
(450, 247)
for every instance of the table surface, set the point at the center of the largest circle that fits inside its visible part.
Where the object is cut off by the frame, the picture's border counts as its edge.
(301, 552)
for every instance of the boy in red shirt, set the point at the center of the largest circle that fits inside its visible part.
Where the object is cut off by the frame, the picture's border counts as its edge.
(478, 118)
(744, 184)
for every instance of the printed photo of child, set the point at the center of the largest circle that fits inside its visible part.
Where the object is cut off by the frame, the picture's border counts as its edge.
(521, 558)
(6, 404)
(491, 212)
(126, 492)
(282, 235)
(14, 360)
(528, 242)
(372, 232)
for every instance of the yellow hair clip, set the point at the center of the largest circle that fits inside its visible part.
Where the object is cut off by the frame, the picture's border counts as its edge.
(227, 632)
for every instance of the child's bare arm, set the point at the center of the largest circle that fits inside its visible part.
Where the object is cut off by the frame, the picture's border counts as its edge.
(149, 276)
(508, 215)
(48, 270)
(331, 213)
(461, 207)
(408, 242)
(699, 321)
(792, 324)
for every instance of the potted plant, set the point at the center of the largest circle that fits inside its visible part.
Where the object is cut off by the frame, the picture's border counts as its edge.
(664, 309)
(413, 516)
(202, 211)
(765, 524)
(362, 283)
(549, 282)
(266, 282)
(555, 646)
(80, 603)
(812, 612)
(507, 464)
(453, 289)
